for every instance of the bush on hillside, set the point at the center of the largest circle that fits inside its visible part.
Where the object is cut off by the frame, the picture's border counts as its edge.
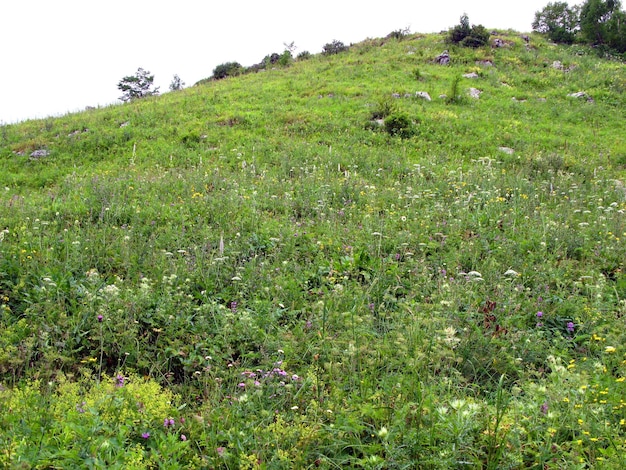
(137, 86)
(304, 55)
(400, 125)
(384, 107)
(334, 47)
(468, 36)
(399, 34)
(228, 69)
(177, 83)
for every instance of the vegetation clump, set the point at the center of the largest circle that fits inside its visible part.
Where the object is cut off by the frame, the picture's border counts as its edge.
(137, 86)
(334, 47)
(400, 125)
(227, 69)
(468, 36)
(599, 23)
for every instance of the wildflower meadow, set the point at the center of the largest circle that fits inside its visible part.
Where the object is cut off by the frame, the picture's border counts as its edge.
(258, 273)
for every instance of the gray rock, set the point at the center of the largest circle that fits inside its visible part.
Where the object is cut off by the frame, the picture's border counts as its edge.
(484, 63)
(443, 58)
(475, 93)
(470, 75)
(124, 124)
(581, 95)
(423, 95)
(41, 153)
(507, 150)
(395, 95)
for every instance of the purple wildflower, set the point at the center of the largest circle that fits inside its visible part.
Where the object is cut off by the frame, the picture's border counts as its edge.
(544, 407)
(119, 380)
(100, 318)
(167, 422)
(241, 385)
(539, 314)
(183, 437)
(220, 451)
(570, 327)
(145, 435)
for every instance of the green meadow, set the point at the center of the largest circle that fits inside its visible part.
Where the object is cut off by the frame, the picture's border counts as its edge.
(312, 267)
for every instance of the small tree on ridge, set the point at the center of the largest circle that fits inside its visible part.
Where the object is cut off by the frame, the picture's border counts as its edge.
(137, 86)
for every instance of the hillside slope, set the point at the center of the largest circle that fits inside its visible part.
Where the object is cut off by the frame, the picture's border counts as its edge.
(261, 258)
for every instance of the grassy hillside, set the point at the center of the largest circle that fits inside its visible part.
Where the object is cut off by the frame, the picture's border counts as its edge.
(253, 273)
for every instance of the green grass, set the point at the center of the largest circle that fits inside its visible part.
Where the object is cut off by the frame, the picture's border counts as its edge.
(296, 288)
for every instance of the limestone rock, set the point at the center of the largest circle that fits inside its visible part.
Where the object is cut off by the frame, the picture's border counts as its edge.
(475, 93)
(40, 153)
(443, 58)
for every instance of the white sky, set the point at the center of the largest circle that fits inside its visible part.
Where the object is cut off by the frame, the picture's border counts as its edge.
(59, 56)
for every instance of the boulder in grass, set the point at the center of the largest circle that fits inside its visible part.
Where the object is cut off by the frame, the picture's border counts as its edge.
(40, 153)
(423, 95)
(475, 93)
(443, 58)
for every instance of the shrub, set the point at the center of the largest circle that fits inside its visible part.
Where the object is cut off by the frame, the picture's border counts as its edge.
(334, 47)
(454, 94)
(399, 124)
(399, 34)
(228, 69)
(137, 86)
(468, 36)
(304, 55)
(177, 83)
(384, 107)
